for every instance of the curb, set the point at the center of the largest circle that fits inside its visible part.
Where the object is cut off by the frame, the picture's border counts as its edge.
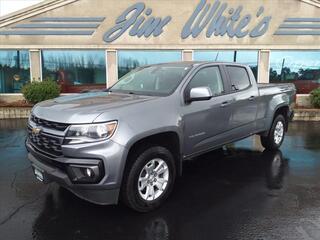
(14, 112)
(306, 114)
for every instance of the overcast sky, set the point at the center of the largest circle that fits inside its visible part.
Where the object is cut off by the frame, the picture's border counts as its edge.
(9, 6)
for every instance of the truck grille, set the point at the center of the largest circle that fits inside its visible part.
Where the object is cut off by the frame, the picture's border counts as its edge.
(49, 124)
(45, 143)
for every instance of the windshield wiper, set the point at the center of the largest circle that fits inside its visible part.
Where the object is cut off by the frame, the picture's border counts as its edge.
(126, 92)
(107, 90)
(132, 93)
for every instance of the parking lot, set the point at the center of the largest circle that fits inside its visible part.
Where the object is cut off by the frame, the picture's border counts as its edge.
(238, 192)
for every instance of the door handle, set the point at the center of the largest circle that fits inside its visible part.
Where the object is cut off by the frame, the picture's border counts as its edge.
(224, 104)
(251, 98)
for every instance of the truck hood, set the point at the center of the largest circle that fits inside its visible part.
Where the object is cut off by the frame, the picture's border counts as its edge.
(86, 107)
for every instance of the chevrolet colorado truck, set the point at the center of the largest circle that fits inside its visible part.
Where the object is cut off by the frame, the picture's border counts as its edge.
(129, 142)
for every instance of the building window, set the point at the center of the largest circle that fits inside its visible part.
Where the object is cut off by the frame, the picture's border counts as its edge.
(299, 67)
(128, 60)
(14, 70)
(247, 57)
(75, 70)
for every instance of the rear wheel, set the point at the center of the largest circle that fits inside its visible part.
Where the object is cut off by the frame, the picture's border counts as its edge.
(276, 134)
(149, 180)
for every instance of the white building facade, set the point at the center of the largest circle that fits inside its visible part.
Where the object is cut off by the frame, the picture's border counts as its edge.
(89, 44)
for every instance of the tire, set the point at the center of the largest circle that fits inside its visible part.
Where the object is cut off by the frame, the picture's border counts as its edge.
(136, 192)
(276, 134)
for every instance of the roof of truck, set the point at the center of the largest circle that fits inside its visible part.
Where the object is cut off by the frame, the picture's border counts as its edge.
(195, 63)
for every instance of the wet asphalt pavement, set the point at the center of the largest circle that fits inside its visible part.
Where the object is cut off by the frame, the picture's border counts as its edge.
(239, 192)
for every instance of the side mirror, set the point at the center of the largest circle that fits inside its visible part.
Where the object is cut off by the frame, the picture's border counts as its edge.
(200, 94)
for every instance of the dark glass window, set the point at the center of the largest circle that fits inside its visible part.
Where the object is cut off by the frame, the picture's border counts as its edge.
(158, 80)
(247, 57)
(75, 70)
(239, 77)
(208, 77)
(299, 67)
(14, 70)
(131, 59)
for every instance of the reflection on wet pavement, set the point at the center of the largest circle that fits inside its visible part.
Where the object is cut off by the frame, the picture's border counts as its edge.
(238, 192)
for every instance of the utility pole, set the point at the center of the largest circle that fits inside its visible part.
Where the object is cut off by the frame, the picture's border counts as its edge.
(282, 72)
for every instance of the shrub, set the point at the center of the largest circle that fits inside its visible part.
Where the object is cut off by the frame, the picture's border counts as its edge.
(315, 98)
(35, 92)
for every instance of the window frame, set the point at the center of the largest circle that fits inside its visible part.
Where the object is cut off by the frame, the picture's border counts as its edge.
(230, 80)
(255, 53)
(303, 87)
(19, 50)
(79, 87)
(186, 88)
(120, 51)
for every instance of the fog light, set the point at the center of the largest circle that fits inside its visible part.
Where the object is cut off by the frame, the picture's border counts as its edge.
(85, 173)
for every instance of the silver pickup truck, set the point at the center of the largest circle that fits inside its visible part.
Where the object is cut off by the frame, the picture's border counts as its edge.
(129, 141)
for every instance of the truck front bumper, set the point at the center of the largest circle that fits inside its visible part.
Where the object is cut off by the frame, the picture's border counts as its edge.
(109, 156)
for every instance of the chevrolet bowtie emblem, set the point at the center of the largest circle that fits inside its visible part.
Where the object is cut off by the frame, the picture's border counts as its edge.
(36, 130)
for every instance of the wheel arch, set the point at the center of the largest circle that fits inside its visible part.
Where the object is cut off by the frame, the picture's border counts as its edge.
(284, 111)
(169, 139)
(280, 109)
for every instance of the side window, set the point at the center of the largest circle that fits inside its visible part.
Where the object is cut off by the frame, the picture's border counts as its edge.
(208, 77)
(239, 77)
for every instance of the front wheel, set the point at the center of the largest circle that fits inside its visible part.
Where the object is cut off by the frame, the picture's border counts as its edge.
(276, 134)
(149, 180)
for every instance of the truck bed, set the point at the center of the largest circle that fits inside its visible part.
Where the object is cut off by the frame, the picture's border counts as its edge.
(275, 88)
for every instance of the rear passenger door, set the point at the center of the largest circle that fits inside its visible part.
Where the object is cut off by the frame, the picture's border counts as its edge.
(244, 106)
(206, 122)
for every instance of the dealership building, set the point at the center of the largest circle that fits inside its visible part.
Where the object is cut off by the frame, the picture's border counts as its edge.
(90, 44)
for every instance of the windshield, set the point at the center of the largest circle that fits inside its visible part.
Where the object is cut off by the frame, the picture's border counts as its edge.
(160, 80)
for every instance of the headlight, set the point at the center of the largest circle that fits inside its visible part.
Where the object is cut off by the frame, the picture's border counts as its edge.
(90, 132)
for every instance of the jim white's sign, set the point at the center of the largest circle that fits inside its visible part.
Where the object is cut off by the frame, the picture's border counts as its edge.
(216, 19)
(212, 18)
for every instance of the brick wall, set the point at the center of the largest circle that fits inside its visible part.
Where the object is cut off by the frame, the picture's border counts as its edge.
(14, 112)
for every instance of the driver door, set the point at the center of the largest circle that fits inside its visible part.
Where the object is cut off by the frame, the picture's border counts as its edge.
(206, 122)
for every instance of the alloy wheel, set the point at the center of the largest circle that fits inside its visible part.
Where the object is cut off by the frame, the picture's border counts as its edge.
(278, 132)
(153, 179)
